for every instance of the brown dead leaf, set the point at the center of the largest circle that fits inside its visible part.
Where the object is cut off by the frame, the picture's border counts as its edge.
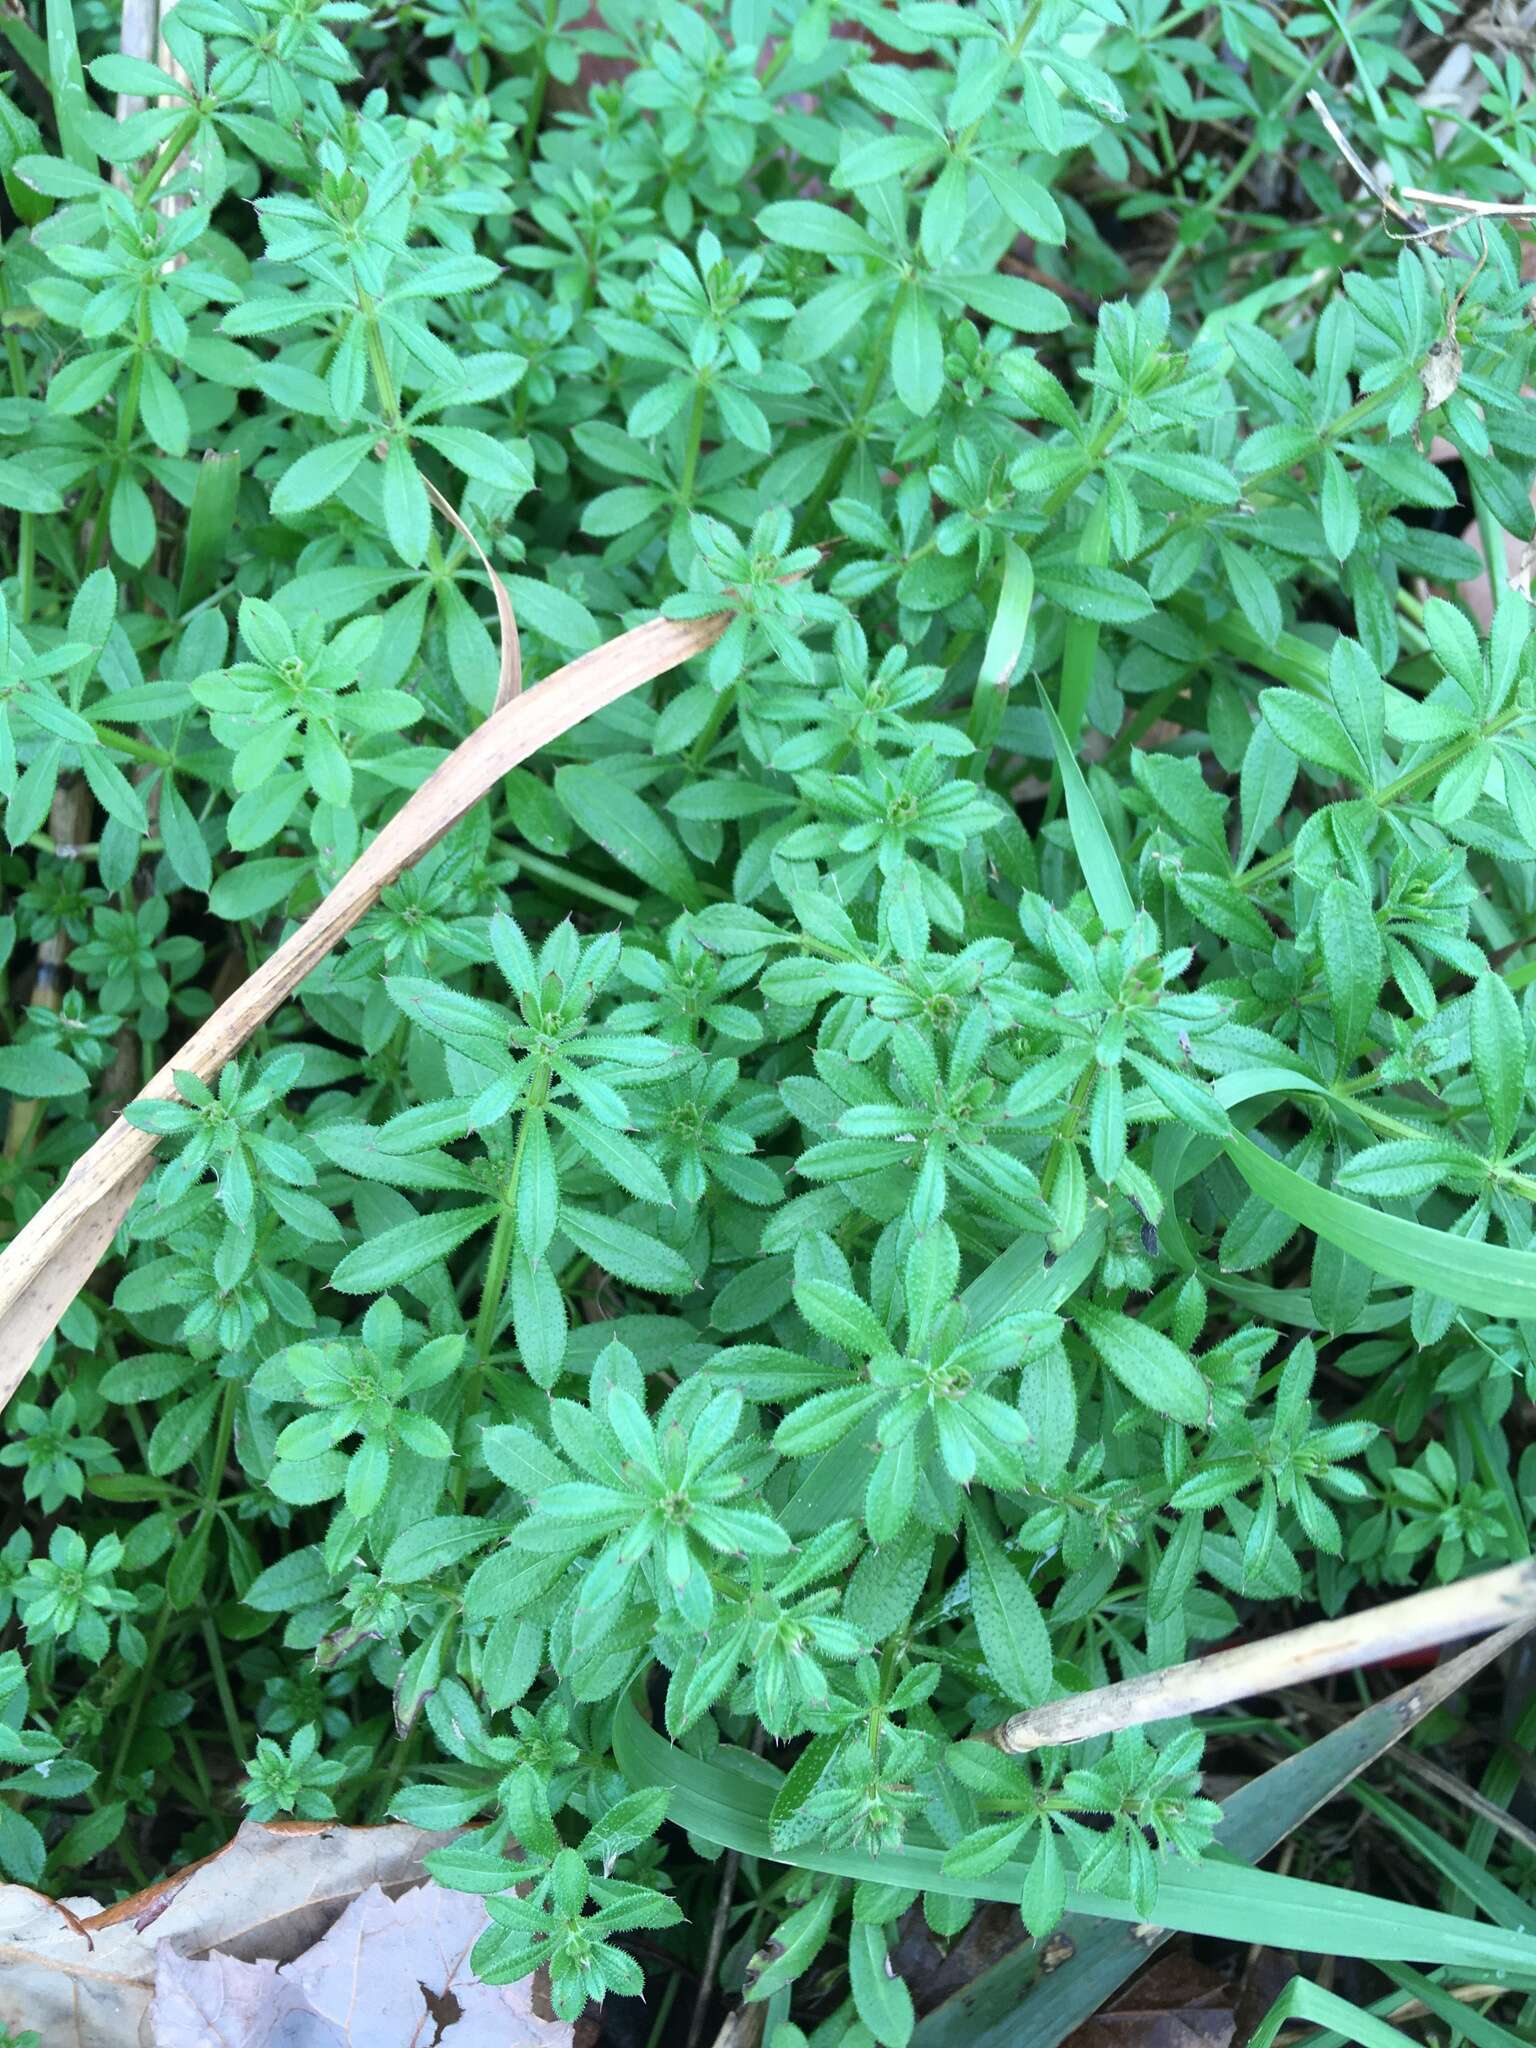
(83, 1978)
(935, 1970)
(391, 1973)
(1177, 2003)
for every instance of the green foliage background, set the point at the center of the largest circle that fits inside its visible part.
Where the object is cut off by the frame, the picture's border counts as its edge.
(972, 1141)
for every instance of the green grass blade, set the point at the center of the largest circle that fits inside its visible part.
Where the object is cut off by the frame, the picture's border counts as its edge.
(210, 519)
(1012, 2001)
(1501, 1781)
(1478, 1886)
(1490, 1277)
(832, 1489)
(1219, 1898)
(1020, 1279)
(1301, 2000)
(67, 82)
(1080, 642)
(1007, 644)
(1481, 2031)
(1290, 659)
(28, 45)
(1096, 853)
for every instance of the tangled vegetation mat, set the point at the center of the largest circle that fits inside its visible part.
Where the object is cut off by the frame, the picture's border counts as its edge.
(769, 921)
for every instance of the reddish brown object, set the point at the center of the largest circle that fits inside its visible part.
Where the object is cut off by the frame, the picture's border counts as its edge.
(1177, 2003)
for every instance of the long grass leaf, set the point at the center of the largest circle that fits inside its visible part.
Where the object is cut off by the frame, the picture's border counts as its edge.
(1021, 1280)
(1302, 2000)
(1080, 641)
(1481, 2031)
(66, 79)
(1496, 1279)
(210, 518)
(1096, 854)
(1219, 1898)
(1491, 1277)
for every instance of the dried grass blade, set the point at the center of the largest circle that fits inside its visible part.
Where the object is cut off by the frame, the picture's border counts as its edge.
(510, 681)
(50, 1259)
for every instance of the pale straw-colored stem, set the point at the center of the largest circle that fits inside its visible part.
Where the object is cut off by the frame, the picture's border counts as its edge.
(1423, 1621)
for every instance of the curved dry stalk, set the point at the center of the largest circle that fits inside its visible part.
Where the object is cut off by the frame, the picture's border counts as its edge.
(1422, 1621)
(51, 1258)
(509, 682)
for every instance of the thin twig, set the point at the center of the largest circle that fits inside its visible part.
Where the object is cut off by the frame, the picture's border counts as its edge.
(728, 1873)
(712, 1954)
(1423, 1621)
(1362, 171)
(1482, 209)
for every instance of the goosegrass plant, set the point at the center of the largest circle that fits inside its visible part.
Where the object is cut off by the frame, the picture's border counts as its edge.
(973, 1141)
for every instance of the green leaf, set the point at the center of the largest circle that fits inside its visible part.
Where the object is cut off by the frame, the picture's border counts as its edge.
(617, 1156)
(1193, 1102)
(807, 224)
(917, 354)
(1340, 507)
(71, 102)
(480, 456)
(1090, 591)
(562, 619)
(537, 1192)
(1498, 1055)
(880, 1998)
(407, 512)
(839, 1315)
(254, 887)
(1014, 1638)
(37, 1070)
(892, 1489)
(1350, 942)
(318, 475)
(1044, 1898)
(432, 1546)
(1267, 779)
(23, 490)
(180, 1430)
(538, 1318)
(628, 1254)
(1026, 308)
(1312, 732)
(401, 1253)
(1200, 478)
(114, 792)
(1147, 1364)
(1454, 639)
(629, 829)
